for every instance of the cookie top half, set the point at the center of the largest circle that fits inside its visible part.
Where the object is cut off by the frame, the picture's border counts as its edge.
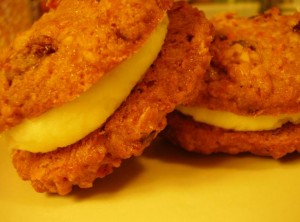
(255, 65)
(69, 49)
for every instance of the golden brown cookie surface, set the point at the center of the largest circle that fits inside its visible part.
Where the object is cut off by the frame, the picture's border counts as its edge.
(63, 54)
(254, 71)
(171, 80)
(15, 17)
(206, 139)
(255, 65)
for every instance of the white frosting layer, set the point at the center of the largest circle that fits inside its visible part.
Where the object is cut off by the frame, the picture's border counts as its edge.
(228, 120)
(72, 121)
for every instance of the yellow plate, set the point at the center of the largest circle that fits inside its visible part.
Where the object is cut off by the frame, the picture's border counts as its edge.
(166, 184)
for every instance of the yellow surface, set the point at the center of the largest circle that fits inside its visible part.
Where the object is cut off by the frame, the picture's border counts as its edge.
(228, 120)
(166, 184)
(69, 123)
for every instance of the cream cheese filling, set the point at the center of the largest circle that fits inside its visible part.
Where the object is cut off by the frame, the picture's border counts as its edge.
(67, 124)
(231, 121)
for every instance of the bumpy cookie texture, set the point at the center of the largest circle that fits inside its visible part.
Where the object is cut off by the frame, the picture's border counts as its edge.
(15, 16)
(255, 65)
(171, 80)
(254, 71)
(202, 138)
(63, 55)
